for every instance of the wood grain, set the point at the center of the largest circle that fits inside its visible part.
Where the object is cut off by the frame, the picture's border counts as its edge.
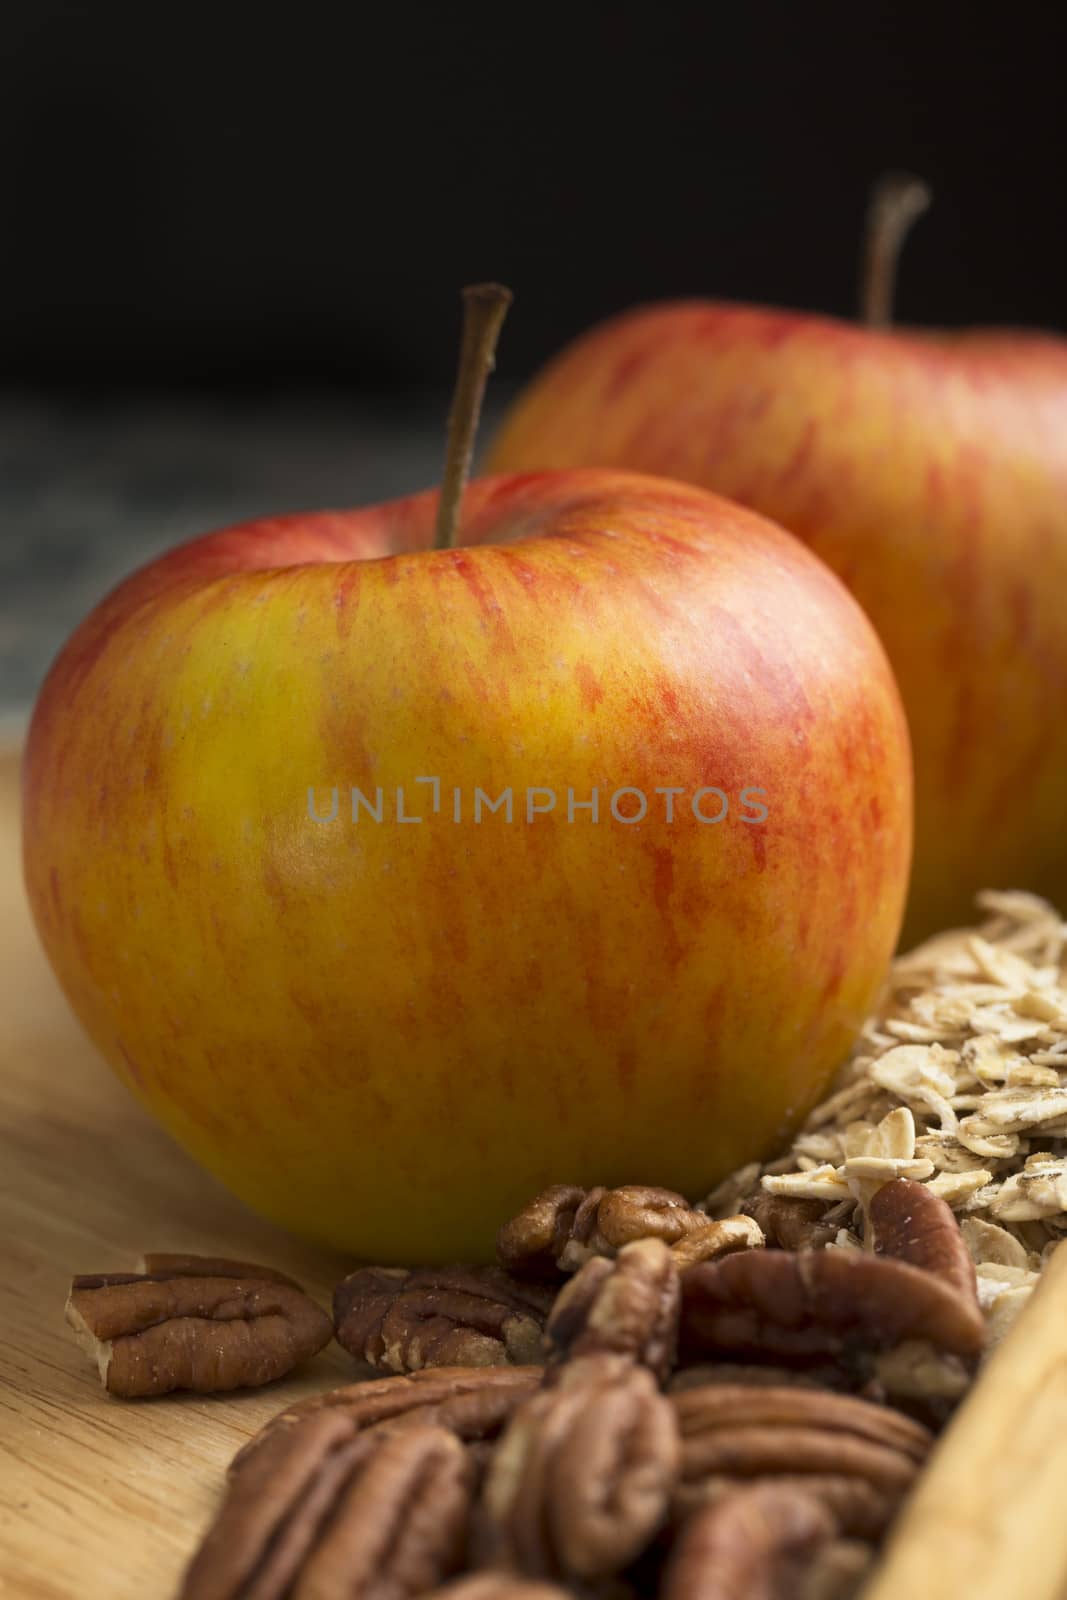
(101, 1497)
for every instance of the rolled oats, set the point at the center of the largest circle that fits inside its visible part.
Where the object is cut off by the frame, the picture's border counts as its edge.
(958, 1081)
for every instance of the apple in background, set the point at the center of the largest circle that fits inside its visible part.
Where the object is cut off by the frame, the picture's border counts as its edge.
(387, 1034)
(929, 471)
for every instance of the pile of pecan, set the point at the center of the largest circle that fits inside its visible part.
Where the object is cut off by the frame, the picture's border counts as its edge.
(637, 1400)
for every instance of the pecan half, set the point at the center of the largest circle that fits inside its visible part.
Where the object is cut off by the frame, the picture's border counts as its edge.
(859, 1459)
(325, 1512)
(753, 1544)
(401, 1321)
(532, 1242)
(582, 1478)
(911, 1224)
(564, 1226)
(820, 1305)
(174, 1327)
(788, 1223)
(637, 1211)
(474, 1402)
(628, 1306)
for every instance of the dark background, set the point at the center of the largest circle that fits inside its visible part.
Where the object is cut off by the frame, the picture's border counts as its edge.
(233, 238)
(245, 198)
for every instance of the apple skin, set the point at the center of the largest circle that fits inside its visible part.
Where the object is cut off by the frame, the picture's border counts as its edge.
(930, 472)
(387, 1037)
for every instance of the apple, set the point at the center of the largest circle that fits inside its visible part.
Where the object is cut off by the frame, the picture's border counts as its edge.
(311, 842)
(930, 472)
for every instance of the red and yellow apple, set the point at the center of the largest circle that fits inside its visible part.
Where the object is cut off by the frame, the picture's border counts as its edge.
(385, 1027)
(930, 472)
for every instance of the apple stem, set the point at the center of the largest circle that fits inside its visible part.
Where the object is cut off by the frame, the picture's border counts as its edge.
(897, 200)
(485, 305)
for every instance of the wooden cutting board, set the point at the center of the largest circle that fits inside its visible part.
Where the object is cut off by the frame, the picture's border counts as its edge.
(101, 1497)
